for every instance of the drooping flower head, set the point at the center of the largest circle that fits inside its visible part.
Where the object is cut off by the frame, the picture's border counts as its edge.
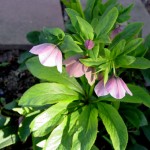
(49, 55)
(115, 86)
(89, 44)
(115, 32)
(76, 69)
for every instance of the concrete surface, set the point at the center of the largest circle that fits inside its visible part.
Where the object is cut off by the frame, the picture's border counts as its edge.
(18, 17)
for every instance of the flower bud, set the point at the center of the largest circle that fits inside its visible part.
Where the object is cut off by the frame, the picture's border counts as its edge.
(89, 44)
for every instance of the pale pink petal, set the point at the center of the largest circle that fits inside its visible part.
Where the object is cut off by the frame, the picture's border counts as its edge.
(100, 89)
(125, 87)
(75, 70)
(114, 89)
(59, 61)
(48, 58)
(71, 60)
(90, 75)
(42, 48)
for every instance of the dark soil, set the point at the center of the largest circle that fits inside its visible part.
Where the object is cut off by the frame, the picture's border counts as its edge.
(13, 82)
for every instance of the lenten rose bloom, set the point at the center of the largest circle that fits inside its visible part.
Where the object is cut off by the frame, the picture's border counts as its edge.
(115, 32)
(76, 69)
(89, 44)
(115, 86)
(49, 55)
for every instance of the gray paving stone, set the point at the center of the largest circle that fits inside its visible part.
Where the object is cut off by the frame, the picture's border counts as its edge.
(18, 17)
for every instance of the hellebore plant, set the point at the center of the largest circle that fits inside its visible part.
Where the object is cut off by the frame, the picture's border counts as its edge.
(83, 81)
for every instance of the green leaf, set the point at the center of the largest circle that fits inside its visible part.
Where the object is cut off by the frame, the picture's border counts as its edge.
(132, 45)
(106, 22)
(72, 15)
(52, 75)
(124, 61)
(33, 37)
(47, 93)
(118, 49)
(128, 33)
(146, 130)
(87, 127)
(55, 137)
(134, 116)
(89, 9)
(69, 130)
(139, 63)
(7, 137)
(24, 130)
(124, 15)
(48, 116)
(114, 125)
(146, 75)
(140, 95)
(91, 62)
(70, 45)
(55, 32)
(104, 39)
(84, 27)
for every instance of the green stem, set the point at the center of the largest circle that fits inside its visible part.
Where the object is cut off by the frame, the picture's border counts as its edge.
(91, 90)
(116, 104)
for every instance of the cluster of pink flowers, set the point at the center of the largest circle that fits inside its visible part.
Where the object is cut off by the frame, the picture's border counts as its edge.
(50, 55)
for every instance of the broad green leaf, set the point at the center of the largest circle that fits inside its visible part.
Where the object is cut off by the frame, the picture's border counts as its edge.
(114, 125)
(84, 27)
(106, 22)
(146, 130)
(70, 45)
(146, 75)
(104, 39)
(91, 62)
(55, 31)
(85, 136)
(8, 137)
(89, 9)
(137, 147)
(48, 115)
(49, 125)
(69, 130)
(24, 130)
(55, 137)
(52, 75)
(124, 60)
(47, 93)
(128, 33)
(134, 116)
(139, 63)
(75, 5)
(72, 15)
(124, 15)
(33, 37)
(118, 49)
(140, 95)
(132, 45)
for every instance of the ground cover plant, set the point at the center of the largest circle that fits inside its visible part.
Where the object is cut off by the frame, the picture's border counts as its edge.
(93, 83)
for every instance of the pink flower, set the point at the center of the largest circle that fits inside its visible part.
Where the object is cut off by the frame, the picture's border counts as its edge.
(115, 32)
(89, 44)
(115, 86)
(49, 55)
(76, 69)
